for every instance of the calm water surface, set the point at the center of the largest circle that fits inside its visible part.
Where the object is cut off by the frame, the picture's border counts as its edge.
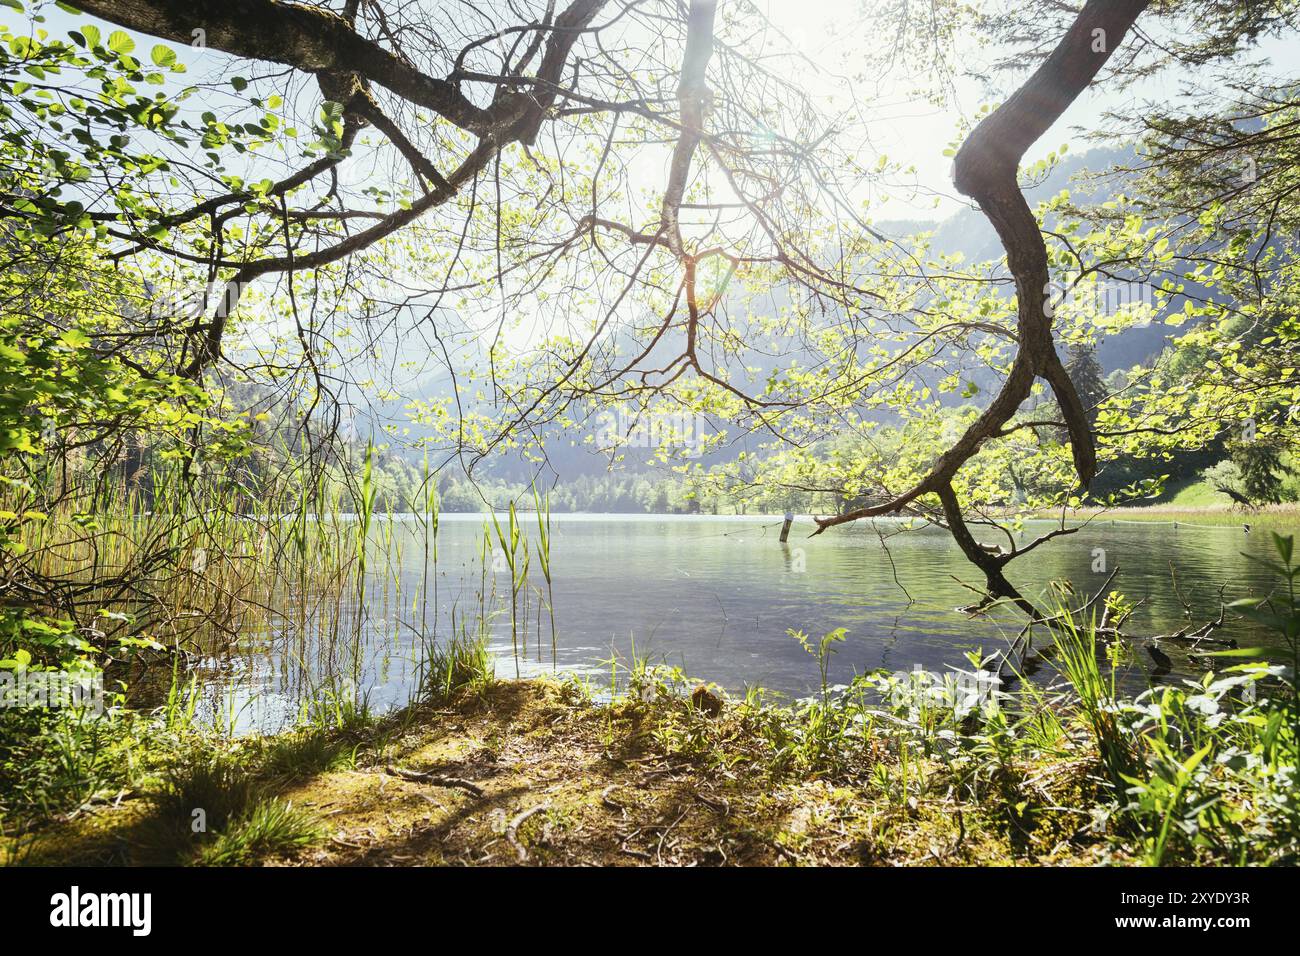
(716, 596)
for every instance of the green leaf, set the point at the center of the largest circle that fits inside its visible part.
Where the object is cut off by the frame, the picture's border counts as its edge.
(120, 42)
(163, 56)
(1259, 653)
(1284, 546)
(18, 662)
(75, 339)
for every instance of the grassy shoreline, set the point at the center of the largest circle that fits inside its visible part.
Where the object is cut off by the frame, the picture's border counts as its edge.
(1284, 516)
(535, 772)
(539, 772)
(901, 769)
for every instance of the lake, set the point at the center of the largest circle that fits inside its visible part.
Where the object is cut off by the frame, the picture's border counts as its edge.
(716, 596)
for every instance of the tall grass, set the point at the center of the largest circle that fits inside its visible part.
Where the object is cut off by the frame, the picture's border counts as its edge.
(462, 662)
(514, 550)
(543, 510)
(136, 565)
(1079, 655)
(269, 826)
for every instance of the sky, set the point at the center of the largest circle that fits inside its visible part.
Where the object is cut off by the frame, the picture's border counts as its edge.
(831, 34)
(828, 33)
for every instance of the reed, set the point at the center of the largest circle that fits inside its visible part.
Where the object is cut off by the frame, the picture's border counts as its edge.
(1079, 656)
(543, 510)
(514, 550)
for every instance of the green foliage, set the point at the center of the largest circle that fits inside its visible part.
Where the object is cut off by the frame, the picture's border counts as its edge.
(1088, 378)
(822, 650)
(269, 827)
(213, 782)
(461, 663)
(1259, 464)
(53, 761)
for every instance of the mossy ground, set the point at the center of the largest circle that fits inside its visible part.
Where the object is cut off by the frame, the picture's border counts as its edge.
(568, 781)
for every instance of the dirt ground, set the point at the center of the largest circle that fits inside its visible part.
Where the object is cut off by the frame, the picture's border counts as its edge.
(528, 774)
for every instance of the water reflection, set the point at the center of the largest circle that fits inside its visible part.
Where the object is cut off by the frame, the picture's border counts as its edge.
(716, 596)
